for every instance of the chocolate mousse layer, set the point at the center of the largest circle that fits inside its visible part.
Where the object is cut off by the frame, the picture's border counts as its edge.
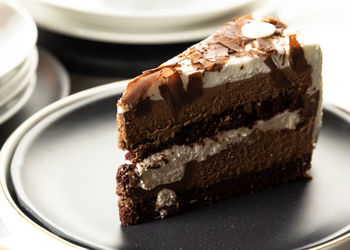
(155, 123)
(262, 160)
(141, 210)
(259, 151)
(241, 116)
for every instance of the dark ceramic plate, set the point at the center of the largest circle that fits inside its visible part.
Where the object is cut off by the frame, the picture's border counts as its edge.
(62, 163)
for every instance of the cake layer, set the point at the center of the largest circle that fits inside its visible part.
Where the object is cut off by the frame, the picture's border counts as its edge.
(254, 151)
(241, 116)
(184, 90)
(166, 201)
(159, 125)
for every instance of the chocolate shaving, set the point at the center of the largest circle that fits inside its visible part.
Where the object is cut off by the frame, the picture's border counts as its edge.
(233, 29)
(172, 90)
(213, 66)
(276, 22)
(229, 29)
(253, 53)
(235, 44)
(215, 50)
(279, 31)
(280, 27)
(199, 61)
(297, 60)
(137, 90)
(266, 46)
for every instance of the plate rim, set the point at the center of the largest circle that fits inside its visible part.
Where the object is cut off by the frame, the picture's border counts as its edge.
(95, 93)
(123, 14)
(89, 32)
(101, 33)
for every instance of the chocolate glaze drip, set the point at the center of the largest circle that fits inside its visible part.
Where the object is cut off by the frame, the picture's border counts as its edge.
(195, 86)
(300, 67)
(277, 76)
(174, 93)
(138, 89)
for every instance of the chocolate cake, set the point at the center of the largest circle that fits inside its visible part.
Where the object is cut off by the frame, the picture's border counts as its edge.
(238, 112)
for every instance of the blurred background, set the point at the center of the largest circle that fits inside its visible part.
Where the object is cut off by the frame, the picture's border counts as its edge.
(52, 48)
(119, 39)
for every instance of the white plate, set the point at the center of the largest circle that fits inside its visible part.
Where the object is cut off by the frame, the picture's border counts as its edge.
(8, 83)
(11, 108)
(8, 76)
(94, 29)
(144, 14)
(20, 80)
(18, 35)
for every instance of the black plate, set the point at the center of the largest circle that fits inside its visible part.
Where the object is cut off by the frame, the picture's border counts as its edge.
(299, 215)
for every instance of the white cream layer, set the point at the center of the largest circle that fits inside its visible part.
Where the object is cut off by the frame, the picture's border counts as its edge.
(172, 161)
(241, 68)
(236, 68)
(313, 55)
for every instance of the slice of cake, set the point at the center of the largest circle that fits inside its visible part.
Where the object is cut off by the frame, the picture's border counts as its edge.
(237, 112)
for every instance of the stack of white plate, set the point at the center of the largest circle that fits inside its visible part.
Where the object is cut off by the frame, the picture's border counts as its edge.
(18, 58)
(135, 21)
